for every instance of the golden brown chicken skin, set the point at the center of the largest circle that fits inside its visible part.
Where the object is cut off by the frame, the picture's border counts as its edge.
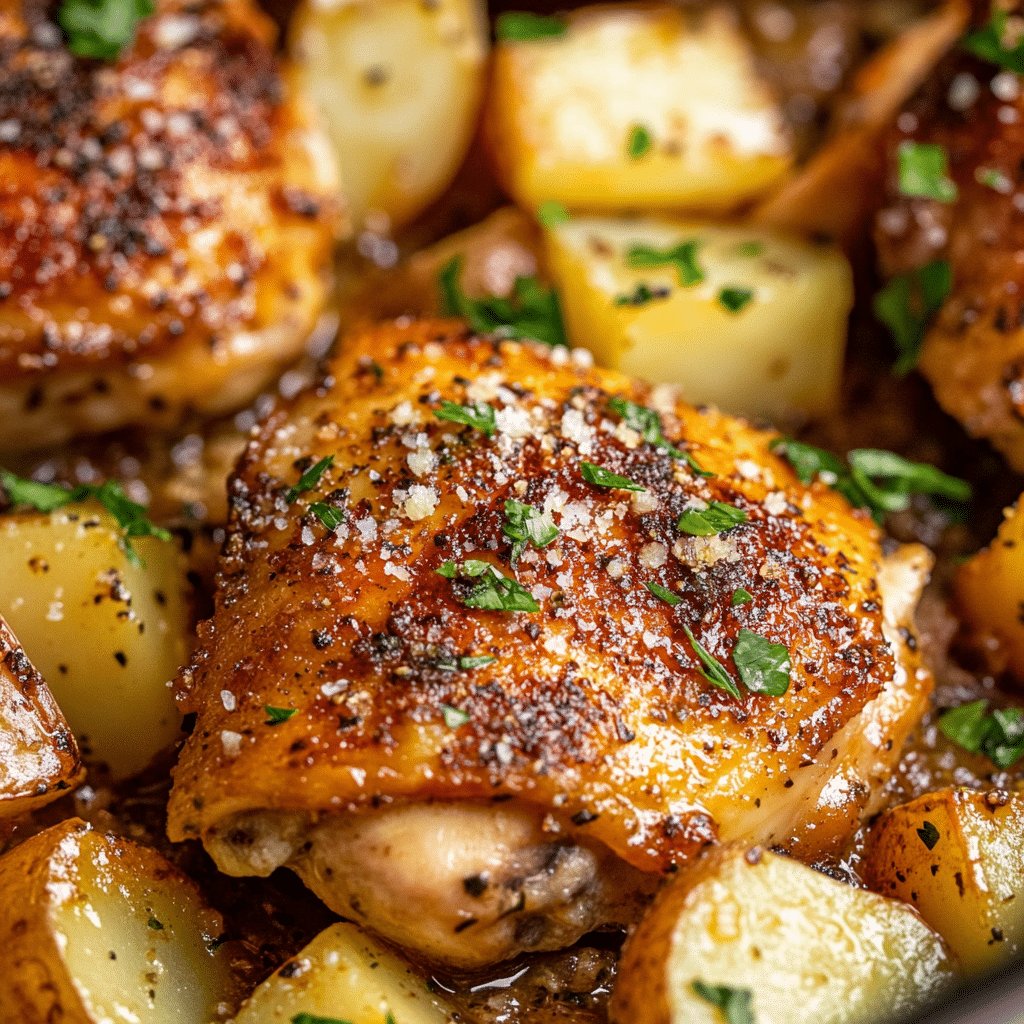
(166, 221)
(587, 722)
(973, 355)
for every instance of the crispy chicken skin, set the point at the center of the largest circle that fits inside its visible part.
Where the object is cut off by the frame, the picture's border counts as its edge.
(166, 222)
(974, 354)
(593, 720)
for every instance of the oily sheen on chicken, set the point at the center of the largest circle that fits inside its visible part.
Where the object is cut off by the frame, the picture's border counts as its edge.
(471, 782)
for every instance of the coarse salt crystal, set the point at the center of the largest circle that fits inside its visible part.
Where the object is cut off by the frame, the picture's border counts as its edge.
(227, 698)
(421, 502)
(231, 742)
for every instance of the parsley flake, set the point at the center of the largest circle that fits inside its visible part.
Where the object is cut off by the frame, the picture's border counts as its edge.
(101, 29)
(907, 305)
(734, 299)
(278, 715)
(683, 257)
(478, 415)
(733, 1002)
(763, 666)
(999, 736)
(476, 661)
(994, 179)
(647, 423)
(495, 592)
(155, 924)
(525, 524)
(664, 593)
(639, 143)
(594, 474)
(716, 518)
(330, 516)
(750, 249)
(924, 171)
(309, 479)
(713, 670)
(641, 295)
(929, 835)
(551, 214)
(525, 27)
(741, 596)
(530, 312)
(453, 717)
(991, 43)
(308, 1018)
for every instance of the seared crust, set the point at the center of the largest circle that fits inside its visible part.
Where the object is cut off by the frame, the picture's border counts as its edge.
(160, 208)
(594, 710)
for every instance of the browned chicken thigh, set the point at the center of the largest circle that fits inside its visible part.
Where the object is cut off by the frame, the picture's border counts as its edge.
(477, 623)
(166, 221)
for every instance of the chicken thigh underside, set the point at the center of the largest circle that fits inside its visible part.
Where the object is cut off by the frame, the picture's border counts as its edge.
(472, 781)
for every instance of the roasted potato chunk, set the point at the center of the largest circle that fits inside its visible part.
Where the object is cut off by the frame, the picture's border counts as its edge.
(958, 857)
(94, 928)
(742, 318)
(398, 85)
(107, 634)
(38, 755)
(344, 973)
(634, 108)
(808, 949)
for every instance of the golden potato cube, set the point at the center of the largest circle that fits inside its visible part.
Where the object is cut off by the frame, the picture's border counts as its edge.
(761, 334)
(106, 634)
(94, 928)
(807, 949)
(990, 595)
(348, 975)
(958, 857)
(38, 755)
(398, 86)
(634, 108)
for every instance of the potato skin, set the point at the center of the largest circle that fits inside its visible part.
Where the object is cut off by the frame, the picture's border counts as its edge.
(39, 758)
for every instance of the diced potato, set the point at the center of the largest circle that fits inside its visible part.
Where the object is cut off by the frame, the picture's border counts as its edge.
(561, 112)
(990, 595)
(108, 636)
(781, 352)
(809, 949)
(345, 974)
(95, 929)
(958, 857)
(38, 755)
(398, 86)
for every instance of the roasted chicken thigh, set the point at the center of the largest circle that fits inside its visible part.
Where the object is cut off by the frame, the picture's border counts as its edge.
(482, 659)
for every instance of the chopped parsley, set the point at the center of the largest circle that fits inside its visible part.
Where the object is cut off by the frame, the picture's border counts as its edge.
(907, 305)
(683, 257)
(129, 515)
(453, 717)
(877, 480)
(530, 312)
(495, 592)
(156, 925)
(762, 665)
(308, 1018)
(639, 143)
(330, 516)
(594, 474)
(734, 299)
(741, 596)
(991, 43)
(750, 249)
(275, 716)
(994, 179)
(999, 736)
(713, 670)
(647, 423)
(929, 835)
(101, 29)
(478, 415)
(733, 1002)
(475, 661)
(551, 214)
(641, 295)
(664, 593)
(716, 518)
(923, 170)
(309, 479)
(524, 525)
(525, 27)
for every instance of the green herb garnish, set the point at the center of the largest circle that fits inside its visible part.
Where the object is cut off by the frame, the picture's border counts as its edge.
(924, 171)
(929, 835)
(594, 474)
(525, 524)
(989, 43)
(683, 257)
(275, 716)
(478, 415)
(330, 516)
(308, 1018)
(734, 299)
(716, 518)
(101, 29)
(750, 249)
(530, 312)
(309, 479)
(994, 179)
(155, 924)
(999, 736)
(453, 717)
(641, 295)
(639, 142)
(495, 592)
(907, 305)
(762, 665)
(525, 27)
(647, 423)
(665, 594)
(476, 661)
(713, 671)
(741, 596)
(551, 214)
(733, 1002)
